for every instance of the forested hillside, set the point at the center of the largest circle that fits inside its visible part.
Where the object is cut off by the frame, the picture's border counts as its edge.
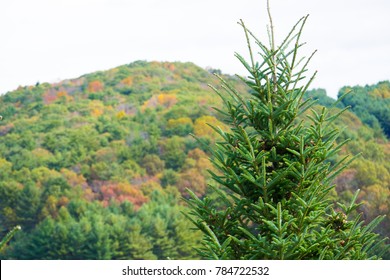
(96, 167)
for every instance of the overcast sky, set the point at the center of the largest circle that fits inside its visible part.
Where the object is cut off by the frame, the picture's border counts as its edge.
(51, 40)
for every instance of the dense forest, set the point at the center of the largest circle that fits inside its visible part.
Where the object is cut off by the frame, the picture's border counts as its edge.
(96, 167)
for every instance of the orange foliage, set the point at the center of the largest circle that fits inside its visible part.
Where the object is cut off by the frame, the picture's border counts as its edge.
(127, 81)
(121, 192)
(170, 66)
(193, 180)
(200, 161)
(63, 201)
(95, 86)
(167, 100)
(96, 112)
(197, 154)
(52, 95)
(64, 94)
(73, 178)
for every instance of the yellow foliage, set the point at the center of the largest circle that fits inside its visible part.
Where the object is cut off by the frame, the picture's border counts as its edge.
(42, 154)
(43, 173)
(382, 91)
(51, 205)
(201, 127)
(5, 167)
(180, 121)
(167, 100)
(97, 108)
(121, 114)
(73, 178)
(150, 186)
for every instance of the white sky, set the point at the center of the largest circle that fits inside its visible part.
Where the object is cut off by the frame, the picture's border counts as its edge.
(50, 40)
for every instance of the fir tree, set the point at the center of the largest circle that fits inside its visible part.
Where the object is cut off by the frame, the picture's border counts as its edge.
(274, 169)
(9, 235)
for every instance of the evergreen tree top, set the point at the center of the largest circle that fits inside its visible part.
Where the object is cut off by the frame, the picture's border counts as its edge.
(275, 173)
